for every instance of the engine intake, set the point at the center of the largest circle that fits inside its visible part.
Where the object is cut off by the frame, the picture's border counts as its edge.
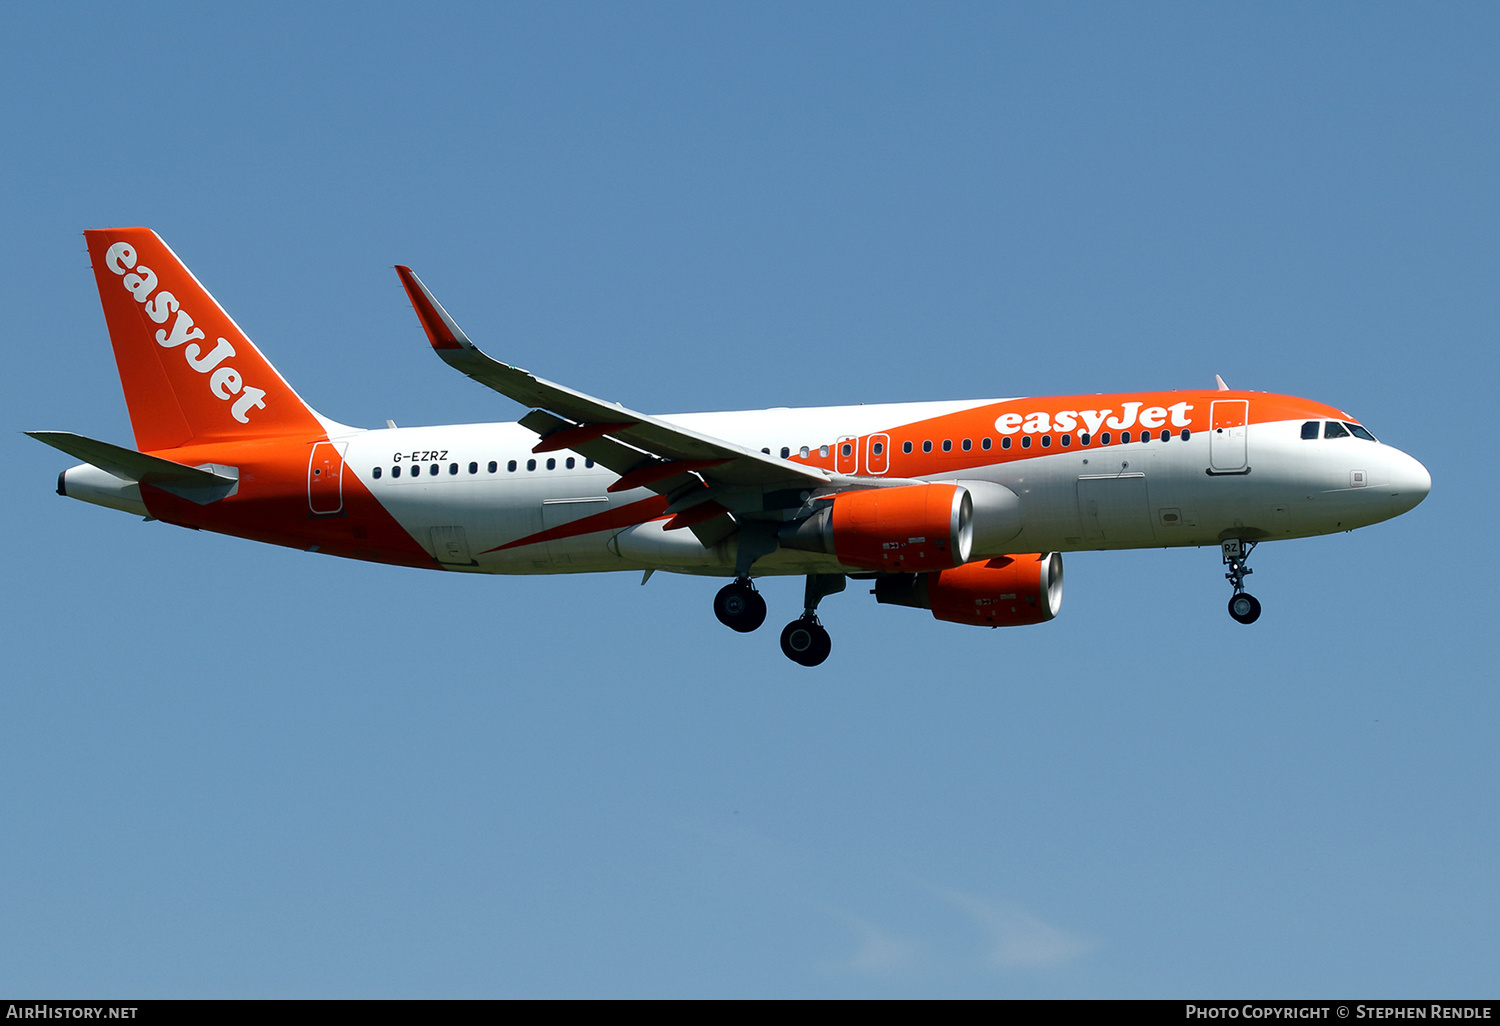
(1007, 591)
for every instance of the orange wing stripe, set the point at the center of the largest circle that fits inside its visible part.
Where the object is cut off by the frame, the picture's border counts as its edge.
(696, 515)
(566, 438)
(625, 516)
(642, 476)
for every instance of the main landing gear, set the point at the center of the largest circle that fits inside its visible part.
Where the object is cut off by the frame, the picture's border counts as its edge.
(804, 641)
(1243, 606)
(740, 607)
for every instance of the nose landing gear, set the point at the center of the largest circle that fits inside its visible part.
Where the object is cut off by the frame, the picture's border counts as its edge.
(1243, 606)
(739, 606)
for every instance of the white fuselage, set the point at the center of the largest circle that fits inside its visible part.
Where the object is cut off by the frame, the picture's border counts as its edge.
(1135, 495)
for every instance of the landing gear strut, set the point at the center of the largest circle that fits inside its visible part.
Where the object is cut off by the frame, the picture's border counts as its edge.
(1243, 606)
(739, 606)
(804, 641)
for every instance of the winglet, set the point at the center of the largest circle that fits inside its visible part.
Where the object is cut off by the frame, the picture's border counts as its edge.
(442, 331)
(1217, 380)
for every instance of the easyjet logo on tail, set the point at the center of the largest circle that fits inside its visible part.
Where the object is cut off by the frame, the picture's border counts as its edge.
(224, 382)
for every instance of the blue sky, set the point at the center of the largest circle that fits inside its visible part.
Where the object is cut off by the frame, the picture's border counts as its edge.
(230, 769)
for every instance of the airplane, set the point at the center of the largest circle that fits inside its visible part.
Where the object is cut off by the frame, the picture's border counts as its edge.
(960, 507)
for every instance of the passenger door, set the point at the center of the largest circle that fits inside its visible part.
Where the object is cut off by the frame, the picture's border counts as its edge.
(325, 478)
(1226, 439)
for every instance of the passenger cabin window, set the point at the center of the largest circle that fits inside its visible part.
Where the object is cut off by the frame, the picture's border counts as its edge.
(1166, 436)
(453, 468)
(823, 451)
(588, 464)
(1026, 441)
(1359, 432)
(493, 466)
(570, 464)
(906, 447)
(395, 471)
(878, 448)
(1186, 434)
(375, 473)
(1046, 441)
(947, 445)
(846, 449)
(1310, 429)
(511, 466)
(1104, 438)
(1083, 438)
(1066, 440)
(926, 446)
(1005, 442)
(1124, 437)
(785, 451)
(1333, 429)
(984, 443)
(551, 464)
(473, 468)
(531, 464)
(803, 452)
(432, 470)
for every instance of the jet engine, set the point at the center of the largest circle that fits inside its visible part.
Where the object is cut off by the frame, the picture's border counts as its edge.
(1007, 591)
(910, 527)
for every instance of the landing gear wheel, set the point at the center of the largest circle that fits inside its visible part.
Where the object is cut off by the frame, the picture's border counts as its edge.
(740, 607)
(805, 641)
(1244, 607)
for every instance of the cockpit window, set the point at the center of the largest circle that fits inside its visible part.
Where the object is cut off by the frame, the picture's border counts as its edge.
(1333, 429)
(1312, 428)
(1359, 432)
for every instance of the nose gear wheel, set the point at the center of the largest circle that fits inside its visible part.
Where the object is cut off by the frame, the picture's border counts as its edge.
(1243, 606)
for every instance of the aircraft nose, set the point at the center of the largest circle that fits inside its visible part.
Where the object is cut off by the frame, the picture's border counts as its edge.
(1409, 481)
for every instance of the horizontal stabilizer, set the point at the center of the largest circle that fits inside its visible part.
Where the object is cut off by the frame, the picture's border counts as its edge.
(202, 484)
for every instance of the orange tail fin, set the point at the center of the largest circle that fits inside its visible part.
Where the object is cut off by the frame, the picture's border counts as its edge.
(190, 374)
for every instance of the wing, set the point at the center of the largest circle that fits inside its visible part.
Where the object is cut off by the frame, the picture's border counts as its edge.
(706, 477)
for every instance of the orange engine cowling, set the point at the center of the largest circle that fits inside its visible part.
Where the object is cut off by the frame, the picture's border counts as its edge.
(897, 530)
(1008, 591)
(914, 527)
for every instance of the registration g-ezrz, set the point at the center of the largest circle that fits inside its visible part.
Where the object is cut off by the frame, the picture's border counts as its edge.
(420, 455)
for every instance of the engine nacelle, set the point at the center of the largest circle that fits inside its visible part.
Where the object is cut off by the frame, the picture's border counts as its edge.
(902, 529)
(1008, 591)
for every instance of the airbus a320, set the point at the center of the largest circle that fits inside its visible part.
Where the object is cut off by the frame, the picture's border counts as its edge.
(962, 507)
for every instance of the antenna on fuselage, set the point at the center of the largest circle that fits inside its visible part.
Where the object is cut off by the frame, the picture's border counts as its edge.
(1220, 381)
